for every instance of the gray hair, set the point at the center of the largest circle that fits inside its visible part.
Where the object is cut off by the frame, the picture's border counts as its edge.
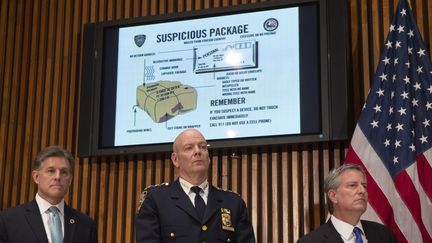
(53, 151)
(331, 182)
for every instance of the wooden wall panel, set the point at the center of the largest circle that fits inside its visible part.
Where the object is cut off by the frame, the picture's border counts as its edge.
(40, 56)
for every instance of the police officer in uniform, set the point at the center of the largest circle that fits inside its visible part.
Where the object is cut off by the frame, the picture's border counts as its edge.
(191, 210)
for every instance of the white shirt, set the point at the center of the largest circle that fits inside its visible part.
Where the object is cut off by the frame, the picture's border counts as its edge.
(187, 189)
(345, 230)
(47, 216)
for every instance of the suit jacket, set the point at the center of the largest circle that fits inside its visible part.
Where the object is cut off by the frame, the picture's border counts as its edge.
(24, 224)
(168, 215)
(375, 233)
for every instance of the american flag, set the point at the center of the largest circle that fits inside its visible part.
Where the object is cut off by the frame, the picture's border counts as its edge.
(393, 138)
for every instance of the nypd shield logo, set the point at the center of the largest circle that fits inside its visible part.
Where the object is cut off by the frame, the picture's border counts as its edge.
(139, 40)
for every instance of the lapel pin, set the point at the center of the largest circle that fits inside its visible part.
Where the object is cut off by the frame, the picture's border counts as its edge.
(72, 221)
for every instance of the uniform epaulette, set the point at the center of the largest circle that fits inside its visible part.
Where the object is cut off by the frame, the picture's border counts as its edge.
(226, 190)
(144, 193)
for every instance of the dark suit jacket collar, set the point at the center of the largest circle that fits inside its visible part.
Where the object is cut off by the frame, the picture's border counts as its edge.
(70, 222)
(371, 233)
(183, 201)
(213, 203)
(34, 219)
(330, 233)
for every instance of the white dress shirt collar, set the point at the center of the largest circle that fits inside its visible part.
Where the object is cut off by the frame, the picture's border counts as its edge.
(186, 186)
(346, 230)
(44, 205)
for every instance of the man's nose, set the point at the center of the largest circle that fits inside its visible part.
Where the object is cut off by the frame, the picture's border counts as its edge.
(197, 149)
(57, 174)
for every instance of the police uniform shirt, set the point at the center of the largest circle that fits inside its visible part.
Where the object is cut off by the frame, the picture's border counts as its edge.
(47, 216)
(345, 230)
(186, 186)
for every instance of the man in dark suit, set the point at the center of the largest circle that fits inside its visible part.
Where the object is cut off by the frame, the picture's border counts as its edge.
(191, 210)
(346, 196)
(47, 219)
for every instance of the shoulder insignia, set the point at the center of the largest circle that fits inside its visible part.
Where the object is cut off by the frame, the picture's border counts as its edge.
(226, 190)
(143, 194)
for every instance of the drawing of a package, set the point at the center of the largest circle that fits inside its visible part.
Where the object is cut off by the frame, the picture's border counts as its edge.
(225, 56)
(164, 100)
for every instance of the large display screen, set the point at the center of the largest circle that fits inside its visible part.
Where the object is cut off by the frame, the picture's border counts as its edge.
(247, 75)
(229, 76)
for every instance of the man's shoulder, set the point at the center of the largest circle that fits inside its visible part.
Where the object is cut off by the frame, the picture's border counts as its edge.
(225, 193)
(17, 209)
(374, 226)
(74, 213)
(153, 189)
(378, 232)
(317, 235)
(157, 188)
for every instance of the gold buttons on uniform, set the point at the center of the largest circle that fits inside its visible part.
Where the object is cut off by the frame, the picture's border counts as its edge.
(172, 234)
(204, 228)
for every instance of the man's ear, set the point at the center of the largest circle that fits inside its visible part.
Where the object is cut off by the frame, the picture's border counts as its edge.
(174, 159)
(332, 196)
(35, 175)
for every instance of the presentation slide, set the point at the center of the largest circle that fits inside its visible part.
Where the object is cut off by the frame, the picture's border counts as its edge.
(233, 76)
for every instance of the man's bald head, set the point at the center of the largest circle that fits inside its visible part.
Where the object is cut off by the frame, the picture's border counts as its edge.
(183, 135)
(190, 156)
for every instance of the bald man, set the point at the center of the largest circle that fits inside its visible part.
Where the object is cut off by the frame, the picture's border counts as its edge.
(191, 210)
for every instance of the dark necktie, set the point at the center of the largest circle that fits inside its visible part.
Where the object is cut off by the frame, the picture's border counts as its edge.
(199, 201)
(357, 232)
(55, 225)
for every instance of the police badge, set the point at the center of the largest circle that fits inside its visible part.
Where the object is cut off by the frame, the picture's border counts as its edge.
(139, 40)
(226, 219)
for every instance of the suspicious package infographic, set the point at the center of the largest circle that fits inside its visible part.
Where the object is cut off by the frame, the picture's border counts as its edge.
(231, 76)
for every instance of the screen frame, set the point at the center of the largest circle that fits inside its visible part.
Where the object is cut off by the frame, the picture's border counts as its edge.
(333, 64)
